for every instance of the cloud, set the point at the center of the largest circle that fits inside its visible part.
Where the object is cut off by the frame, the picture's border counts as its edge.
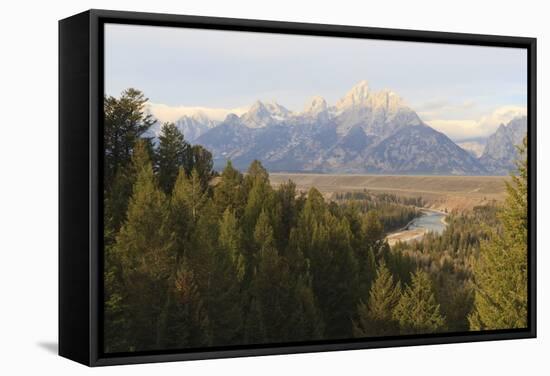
(165, 113)
(442, 109)
(462, 129)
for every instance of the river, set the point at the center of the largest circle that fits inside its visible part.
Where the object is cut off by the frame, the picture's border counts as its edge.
(430, 221)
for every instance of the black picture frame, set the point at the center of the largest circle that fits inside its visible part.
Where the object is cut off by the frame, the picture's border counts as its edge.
(80, 183)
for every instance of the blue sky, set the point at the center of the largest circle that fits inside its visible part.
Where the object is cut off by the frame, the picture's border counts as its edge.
(464, 91)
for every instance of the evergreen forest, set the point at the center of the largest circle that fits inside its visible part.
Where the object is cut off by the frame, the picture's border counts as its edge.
(197, 258)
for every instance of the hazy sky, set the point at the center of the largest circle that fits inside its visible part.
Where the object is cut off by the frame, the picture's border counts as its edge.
(464, 91)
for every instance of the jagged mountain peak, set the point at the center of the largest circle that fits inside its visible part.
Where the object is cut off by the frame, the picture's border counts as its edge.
(261, 114)
(378, 113)
(500, 153)
(257, 106)
(315, 105)
(365, 132)
(419, 149)
(387, 100)
(501, 128)
(515, 129)
(231, 118)
(277, 110)
(358, 95)
(361, 96)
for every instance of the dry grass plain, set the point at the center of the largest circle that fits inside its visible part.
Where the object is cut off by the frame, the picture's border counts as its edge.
(439, 192)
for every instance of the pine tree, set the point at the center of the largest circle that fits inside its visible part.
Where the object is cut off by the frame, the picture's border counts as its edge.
(256, 172)
(311, 217)
(116, 201)
(345, 280)
(259, 198)
(304, 317)
(186, 202)
(125, 122)
(270, 286)
(315, 204)
(500, 273)
(254, 331)
(373, 230)
(217, 279)
(367, 236)
(375, 318)
(229, 193)
(300, 245)
(353, 214)
(369, 269)
(287, 213)
(191, 193)
(118, 189)
(456, 298)
(187, 323)
(231, 242)
(400, 264)
(170, 155)
(147, 263)
(117, 319)
(417, 310)
(200, 160)
(320, 250)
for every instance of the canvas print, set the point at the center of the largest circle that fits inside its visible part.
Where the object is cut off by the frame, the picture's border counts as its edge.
(272, 189)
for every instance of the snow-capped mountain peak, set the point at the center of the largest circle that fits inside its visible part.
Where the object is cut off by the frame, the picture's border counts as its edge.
(258, 108)
(258, 116)
(365, 132)
(315, 106)
(362, 96)
(377, 113)
(263, 114)
(386, 100)
(277, 111)
(357, 96)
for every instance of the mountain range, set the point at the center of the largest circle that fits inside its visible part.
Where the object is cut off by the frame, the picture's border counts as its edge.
(364, 132)
(500, 152)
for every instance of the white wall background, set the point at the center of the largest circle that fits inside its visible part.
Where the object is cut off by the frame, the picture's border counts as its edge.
(28, 185)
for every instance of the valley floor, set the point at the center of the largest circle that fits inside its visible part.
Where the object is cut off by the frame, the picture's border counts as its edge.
(443, 193)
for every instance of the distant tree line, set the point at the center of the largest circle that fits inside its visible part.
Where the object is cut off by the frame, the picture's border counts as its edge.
(380, 197)
(192, 261)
